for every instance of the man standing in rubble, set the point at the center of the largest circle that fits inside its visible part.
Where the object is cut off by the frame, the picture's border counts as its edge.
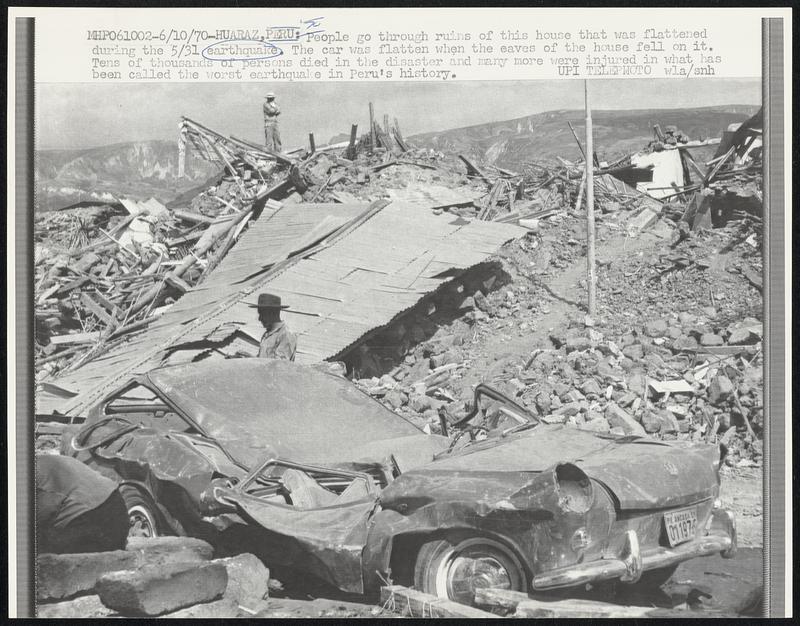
(277, 342)
(272, 138)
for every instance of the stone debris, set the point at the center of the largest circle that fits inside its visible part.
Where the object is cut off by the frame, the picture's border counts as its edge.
(155, 590)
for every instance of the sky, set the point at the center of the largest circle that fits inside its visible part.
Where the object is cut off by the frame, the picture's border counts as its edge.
(83, 115)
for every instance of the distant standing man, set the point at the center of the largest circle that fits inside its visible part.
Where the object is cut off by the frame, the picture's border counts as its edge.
(277, 342)
(272, 138)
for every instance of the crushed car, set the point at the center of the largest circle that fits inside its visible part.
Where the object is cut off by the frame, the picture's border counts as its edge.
(310, 472)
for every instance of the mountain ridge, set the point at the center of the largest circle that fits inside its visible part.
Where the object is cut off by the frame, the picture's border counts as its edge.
(510, 143)
(144, 169)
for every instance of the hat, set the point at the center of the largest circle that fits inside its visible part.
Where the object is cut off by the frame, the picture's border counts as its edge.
(270, 95)
(671, 129)
(268, 301)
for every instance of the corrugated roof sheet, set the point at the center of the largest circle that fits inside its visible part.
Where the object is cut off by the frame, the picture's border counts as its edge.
(360, 281)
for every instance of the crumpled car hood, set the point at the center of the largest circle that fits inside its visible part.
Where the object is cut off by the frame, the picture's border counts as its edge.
(642, 473)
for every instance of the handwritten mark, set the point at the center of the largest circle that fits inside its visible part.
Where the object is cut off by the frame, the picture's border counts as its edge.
(289, 34)
(241, 50)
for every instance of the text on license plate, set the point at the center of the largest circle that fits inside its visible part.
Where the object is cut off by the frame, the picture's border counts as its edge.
(681, 526)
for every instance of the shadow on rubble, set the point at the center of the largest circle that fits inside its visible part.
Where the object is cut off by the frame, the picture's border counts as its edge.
(382, 350)
(557, 296)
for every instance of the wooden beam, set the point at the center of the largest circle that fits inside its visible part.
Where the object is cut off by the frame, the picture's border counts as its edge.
(98, 311)
(713, 171)
(578, 141)
(312, 145)
(524, 606)
(693, 164)
(590, 235)
(371, 127)
(60, 340)
(473, 169)
(399, 599)
(351, 147)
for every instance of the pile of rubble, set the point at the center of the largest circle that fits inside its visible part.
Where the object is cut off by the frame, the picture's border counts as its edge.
(104, 272)
(118, 268)
(165, 576)
(675, 352)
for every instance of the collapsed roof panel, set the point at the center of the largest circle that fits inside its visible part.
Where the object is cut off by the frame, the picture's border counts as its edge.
(376, 264)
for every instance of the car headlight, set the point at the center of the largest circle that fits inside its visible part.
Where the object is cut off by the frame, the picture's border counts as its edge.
(574, 489)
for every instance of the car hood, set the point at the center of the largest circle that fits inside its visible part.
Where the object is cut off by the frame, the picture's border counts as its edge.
(641, 473)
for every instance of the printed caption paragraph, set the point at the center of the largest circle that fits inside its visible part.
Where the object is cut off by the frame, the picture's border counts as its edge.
(311, 50)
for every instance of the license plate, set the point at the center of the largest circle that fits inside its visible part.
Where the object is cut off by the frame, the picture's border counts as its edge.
(681, 526)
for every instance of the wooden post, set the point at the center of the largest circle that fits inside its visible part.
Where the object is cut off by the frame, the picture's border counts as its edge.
(351, 149)
(386, 124)
(312, 145)
(371, 127)
(581, 188)
(181, 151)
(590, 205)
(578, 141)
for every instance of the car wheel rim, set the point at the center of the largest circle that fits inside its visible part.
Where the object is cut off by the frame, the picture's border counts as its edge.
(476, 564)
(141, 522)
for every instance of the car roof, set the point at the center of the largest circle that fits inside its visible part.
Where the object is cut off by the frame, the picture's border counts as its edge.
(276, 398)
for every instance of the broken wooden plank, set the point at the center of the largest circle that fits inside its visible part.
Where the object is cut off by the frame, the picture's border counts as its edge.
(185, 239)
(670, 386)
(398, 136)
(473, 169)
(178, 283)
(191, 216)
(78, 282)
(578, 141)
(693, 164)
(525, 606)
(96, 309)
(399, 599)
(45, 295)
(351, 146)
(642, 220)
(105, 302)
(713, 171)
(372, 145)
(61, 340)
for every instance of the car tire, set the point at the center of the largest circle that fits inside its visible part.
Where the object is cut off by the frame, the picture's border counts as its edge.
(655, 578)
(143, 515)
(454, 566)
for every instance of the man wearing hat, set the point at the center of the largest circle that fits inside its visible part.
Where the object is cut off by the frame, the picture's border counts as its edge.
(272, 138)
(277, 342)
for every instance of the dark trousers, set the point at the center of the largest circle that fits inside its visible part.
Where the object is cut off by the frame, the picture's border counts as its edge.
(272, 137)
(102, 529)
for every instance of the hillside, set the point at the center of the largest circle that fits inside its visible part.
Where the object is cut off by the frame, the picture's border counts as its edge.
(511, 143)
(149, 169)
(140, 170)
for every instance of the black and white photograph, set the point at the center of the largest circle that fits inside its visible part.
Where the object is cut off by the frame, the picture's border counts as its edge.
(409, 348)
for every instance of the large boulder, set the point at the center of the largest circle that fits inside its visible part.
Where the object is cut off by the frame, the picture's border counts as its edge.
(157, 589)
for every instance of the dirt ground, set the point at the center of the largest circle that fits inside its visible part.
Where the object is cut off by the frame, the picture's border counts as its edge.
(742, 492)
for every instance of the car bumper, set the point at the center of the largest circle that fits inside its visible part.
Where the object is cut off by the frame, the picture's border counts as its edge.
(720, 538)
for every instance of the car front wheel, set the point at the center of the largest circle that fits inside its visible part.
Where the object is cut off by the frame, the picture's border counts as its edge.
(142, 514)
(456, 566)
